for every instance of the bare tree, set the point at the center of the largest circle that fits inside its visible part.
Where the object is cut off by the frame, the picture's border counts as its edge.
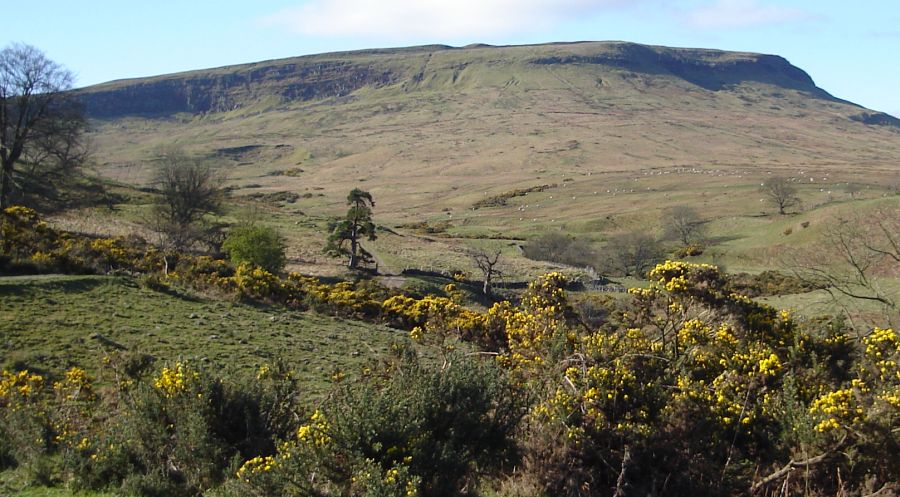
(557, 247)
(632, 254)
(859, 260)
(684, 224)
(189, 190)
(41, 125)
(781, 192)
(487, 263)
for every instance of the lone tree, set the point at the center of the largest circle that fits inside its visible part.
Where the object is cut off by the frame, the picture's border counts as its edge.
(487, 263)
(781, 193)
(189, 190)
(347, 233)
(41, 125)
(684, 224)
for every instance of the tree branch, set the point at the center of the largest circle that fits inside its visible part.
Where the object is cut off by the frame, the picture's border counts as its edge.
(792, 465)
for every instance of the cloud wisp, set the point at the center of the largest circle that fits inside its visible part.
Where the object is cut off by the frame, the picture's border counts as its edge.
(433, 19)
(723, 14)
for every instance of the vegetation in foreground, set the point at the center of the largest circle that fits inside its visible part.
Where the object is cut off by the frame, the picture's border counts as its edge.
(686, 387)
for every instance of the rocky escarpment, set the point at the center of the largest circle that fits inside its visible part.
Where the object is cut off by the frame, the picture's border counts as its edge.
(319, 77)
(218, 92)
(710, 69)
(876, 119)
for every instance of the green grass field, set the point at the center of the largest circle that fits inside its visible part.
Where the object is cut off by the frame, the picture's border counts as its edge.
(50, 323)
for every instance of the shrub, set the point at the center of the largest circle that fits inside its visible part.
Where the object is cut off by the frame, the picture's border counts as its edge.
(556, 247)
(26, 429)
(689, 251)
(178, 432)
(257, 245)
(701, 391)
(29, 245)
(424, 430)
(769, 283)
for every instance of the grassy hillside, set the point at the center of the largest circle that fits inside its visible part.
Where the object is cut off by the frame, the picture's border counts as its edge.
(619, 132)
(50, 323)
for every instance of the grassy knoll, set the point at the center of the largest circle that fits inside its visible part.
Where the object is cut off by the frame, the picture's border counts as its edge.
(51, 323)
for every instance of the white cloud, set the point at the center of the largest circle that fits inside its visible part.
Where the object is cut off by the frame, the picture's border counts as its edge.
(742, 13)
(432, 19)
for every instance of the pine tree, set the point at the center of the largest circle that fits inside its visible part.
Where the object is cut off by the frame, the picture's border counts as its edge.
(347, 233)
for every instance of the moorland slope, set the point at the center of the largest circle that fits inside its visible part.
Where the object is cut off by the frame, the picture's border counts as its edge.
(614, 132)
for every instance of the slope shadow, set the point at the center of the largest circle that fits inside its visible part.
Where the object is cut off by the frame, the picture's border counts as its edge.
(708, 69)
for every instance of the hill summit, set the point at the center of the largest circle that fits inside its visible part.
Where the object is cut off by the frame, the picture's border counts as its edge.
(333, 75)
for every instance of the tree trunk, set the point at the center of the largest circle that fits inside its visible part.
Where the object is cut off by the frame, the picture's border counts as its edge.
(5, 185)
(354, 249)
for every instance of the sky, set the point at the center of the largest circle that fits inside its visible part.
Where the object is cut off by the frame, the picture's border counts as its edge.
(850, 48)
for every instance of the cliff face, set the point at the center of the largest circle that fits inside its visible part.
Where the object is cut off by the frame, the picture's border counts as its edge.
(203, 93)
(709, 69)
(337, 75)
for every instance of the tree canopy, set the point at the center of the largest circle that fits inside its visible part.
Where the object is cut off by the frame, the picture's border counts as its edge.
(684, 224)
(41, 124)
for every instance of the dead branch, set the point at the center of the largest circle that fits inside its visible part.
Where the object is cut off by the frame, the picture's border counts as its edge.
(792, 465)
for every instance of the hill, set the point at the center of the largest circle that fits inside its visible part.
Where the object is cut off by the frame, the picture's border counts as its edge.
(614, 132)
(417, 68)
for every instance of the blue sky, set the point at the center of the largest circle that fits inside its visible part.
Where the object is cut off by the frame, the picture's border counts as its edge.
(851, 49)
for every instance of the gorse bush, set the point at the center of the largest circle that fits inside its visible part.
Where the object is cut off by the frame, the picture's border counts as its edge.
(28, 244)
(26, 431)
(422, 430)
(175, 432)
(41, 417)
(701, 391)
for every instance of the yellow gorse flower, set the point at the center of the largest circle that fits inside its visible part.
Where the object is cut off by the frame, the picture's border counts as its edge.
(173, 381)
(315, 432)
(23, 385)
(257, 465)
